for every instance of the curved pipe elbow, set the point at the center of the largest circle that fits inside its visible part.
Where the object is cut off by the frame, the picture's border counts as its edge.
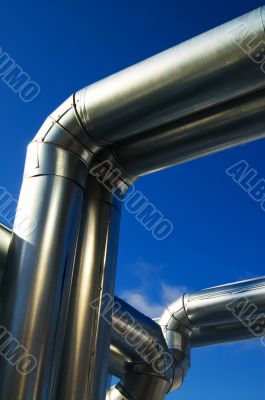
(65, 131)
(177, 330)
(144, 380)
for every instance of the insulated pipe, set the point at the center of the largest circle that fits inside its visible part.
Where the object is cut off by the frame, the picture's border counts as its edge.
(206, 333)
(84, 366)
(224, 126)
(211, 69)
(196, 75)
(149, 366)
(227, 313)
(220, 314)
(225, 333)
(135, 334)
(37, 273)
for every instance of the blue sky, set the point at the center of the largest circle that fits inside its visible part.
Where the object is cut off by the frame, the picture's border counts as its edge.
(219, 230)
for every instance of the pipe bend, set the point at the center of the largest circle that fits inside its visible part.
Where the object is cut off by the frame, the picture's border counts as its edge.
(64, 129)
(144, 376)
(177, 330)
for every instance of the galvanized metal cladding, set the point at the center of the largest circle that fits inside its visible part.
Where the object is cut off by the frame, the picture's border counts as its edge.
(199, 97)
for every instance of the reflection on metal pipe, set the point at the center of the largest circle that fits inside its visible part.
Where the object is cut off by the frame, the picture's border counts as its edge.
(227, 313)
(207, 70)
(151, 361)
(220, 314)
(36, 273)
(219, 128)
(202, 96)
(84, 375)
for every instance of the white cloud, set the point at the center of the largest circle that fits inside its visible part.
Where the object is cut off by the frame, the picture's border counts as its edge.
(171, 293)
(151, 286)
(141, 302)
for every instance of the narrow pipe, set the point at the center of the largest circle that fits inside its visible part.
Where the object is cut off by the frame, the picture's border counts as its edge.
(216, 315)
(209, 336)
(84, 366)
(227, 313)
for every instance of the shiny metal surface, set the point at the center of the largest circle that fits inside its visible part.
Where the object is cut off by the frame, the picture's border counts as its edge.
(214, 322)
(36, 271)
(216, 315)
(84, 367)
(223, 333)
(139, 345)
(5, 238)
(199, 97)
(193, 76)
(130, 327)
(114, 394)
(117, 360)
(189, 101)
(142, 386)
(219, 128)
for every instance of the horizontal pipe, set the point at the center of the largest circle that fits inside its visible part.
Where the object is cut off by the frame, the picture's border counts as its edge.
(216, 315)
(227, 313)
(222, 334)
(207, 70)
(199, 97)
(219, 128)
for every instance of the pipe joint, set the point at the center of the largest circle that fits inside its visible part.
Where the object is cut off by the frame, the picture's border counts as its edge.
(68, 128)
(48, 159)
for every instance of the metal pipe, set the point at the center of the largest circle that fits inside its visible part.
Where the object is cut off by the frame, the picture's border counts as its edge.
(84, 366)
(219, 128)
(142, 360)
(222, 334)
(134, 334)
(227, 313)
(213, 323)
(216, 315)
(184, 99)
(37, 272)
(202, 96)
(207, 70)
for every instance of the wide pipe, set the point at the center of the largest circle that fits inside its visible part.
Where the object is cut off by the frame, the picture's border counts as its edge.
(203, 72)
(37, 273)
(224, 126)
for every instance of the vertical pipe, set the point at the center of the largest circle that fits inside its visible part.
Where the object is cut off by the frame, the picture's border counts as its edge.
(84, 368)
(32, 288)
